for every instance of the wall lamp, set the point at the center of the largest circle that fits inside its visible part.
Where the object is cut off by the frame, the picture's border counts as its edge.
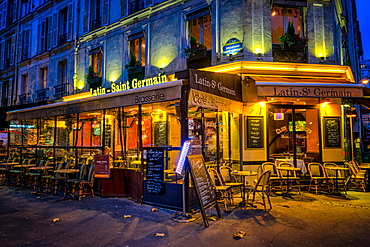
(326, 101)
(365, 81)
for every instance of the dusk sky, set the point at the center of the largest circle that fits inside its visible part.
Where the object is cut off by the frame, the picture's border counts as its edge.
(363, 10)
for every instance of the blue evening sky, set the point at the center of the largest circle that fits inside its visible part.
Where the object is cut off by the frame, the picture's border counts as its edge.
(363, 10)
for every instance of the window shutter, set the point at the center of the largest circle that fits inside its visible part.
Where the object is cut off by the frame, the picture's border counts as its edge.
(49, 32)
(26, 45)
(70, 22)
(105, 13)
(40, 37)
(86, 16)
(3, 9)
(12, 49)
(2, 54)
(20, 42)
(15, 10)
(123, 7)
(55, 29)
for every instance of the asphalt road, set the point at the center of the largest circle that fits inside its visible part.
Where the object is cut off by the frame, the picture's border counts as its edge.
(306, 220)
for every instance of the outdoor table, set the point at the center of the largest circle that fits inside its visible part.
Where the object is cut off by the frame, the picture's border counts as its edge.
(41, 168)
(67, 172)
(244, 174)
(300, 164)
(367, 177)
(288, 169)
(24, 168)
(336, 169)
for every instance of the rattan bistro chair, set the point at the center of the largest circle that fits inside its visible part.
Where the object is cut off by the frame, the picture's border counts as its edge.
(318, 177)
(261, 187)
(357, 177)
(223, 192)
(275, 178)
(229, 179)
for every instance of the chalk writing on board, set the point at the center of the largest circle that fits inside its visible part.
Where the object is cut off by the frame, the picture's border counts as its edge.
(155, 171)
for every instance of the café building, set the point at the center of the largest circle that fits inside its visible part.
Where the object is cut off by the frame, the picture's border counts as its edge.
(241, 113)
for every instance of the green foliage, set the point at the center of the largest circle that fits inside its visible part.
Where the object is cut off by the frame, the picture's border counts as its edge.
(194, 47)
(290, 37)
(133, 62)
(91, 73)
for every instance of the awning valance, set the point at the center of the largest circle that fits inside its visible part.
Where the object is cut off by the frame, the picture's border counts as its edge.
(151, 94)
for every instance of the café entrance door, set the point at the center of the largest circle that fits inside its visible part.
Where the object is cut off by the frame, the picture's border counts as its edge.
(293, 132)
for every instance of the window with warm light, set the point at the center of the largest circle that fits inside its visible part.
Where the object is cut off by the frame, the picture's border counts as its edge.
(201, 29)
(96, 61)
(137, 48)
(281, 16)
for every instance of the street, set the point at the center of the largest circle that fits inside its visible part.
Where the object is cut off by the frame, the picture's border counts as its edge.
(306, 220)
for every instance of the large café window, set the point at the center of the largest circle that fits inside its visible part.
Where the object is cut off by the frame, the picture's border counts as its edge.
(281, 16)
(284, 123)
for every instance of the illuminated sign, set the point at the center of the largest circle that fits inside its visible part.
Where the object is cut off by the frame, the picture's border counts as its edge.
(22, 126)
(184, 152)
(134, 84)
(232, 47)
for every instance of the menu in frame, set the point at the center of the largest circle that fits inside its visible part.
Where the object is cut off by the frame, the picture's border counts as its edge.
(332, 132)
(254, 132)
(155, 171)
(101, 166)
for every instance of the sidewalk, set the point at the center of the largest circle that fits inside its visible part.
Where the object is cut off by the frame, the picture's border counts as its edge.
(306, 220)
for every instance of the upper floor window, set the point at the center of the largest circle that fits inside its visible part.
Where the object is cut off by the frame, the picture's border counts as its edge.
(43, 78)
(7, 52)
(25, 7)
(3, 14)
(62, 72)
(137, 47)
(24, 45)
(135, 5)
(280, 18)
(200, 28)
(45, 34)
(96, 14)
(96, 61)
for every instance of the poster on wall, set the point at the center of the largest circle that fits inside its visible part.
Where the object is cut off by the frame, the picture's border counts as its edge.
(254, 132)
(332, 132)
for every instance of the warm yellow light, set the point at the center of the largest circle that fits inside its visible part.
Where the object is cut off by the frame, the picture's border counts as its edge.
(258, 51)
(365, 81)
(262, 103)
(163, 64)
(80, 85)
(77, 96)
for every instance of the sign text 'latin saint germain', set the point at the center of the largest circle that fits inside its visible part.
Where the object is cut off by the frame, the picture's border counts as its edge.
(134, 84)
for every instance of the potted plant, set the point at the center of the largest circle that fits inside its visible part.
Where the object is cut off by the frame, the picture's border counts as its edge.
(93, 78)
(194, 48)
(134, 68)
(291, 40)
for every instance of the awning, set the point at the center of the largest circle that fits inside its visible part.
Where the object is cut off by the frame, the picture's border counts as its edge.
(145, 95)
(319, 90)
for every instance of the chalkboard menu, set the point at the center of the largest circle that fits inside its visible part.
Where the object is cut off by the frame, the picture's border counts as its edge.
(155, 171)
(201, 180)
(254, 132)
(332, 132)
(101, 166)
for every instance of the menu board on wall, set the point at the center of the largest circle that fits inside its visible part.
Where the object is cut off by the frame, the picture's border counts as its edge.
(101, 166)
(155, 171)
(204, 189)
(332, 132)
(366, 131)
(254, 132)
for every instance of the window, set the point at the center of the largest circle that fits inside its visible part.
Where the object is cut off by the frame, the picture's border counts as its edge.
(43, 78)
(45, 32)
(25, 7)
(95, 14)
(3, 14)
(137, 48)
(63, 20)
(135, 5)
(9, 50)
(200, 27)
(24, 46)
(62, 72)
(281, 16)
(13, 9)
(24, 84)
(96, 61)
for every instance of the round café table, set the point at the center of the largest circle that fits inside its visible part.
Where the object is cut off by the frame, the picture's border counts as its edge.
(244, 174)
(288, 169)
(336, 169)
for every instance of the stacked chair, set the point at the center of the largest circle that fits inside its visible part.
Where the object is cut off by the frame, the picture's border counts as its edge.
(224, 192)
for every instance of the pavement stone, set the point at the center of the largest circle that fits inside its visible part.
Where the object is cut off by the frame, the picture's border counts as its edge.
(306, 220)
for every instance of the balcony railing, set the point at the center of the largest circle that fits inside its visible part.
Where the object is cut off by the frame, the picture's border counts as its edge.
(61, 90)
(22, 98)
(95, 24)
(62, 39)
(295, 53)
(41, 95)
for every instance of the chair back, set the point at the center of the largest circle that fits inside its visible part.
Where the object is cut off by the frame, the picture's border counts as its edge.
(81, 173)
(351, 168)
(225, 172)
(316, 170)
(263, 181)
(355, 165)
(270, 166)
(283, 173)
(89, 174)
(330, 173)
(215, 177)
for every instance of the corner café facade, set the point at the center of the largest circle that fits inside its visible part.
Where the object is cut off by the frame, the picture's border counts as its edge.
(243, 113)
